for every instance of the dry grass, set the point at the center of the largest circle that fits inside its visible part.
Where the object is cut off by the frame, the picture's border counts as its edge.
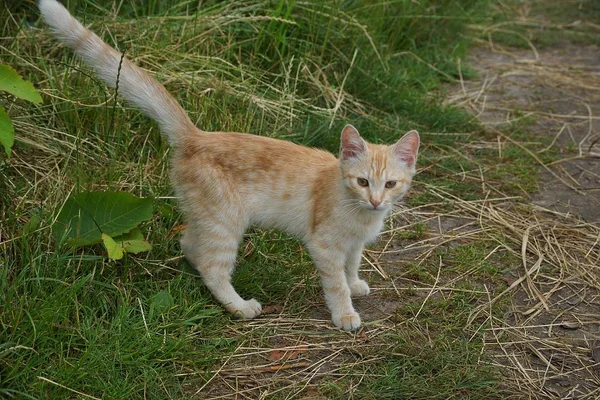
(551, 329)
(548, 344)
(291, 356)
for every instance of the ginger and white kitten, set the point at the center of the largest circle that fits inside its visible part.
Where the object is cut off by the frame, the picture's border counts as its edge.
(226, 182)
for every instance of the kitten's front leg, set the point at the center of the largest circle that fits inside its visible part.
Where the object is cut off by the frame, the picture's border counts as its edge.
(358, 287)
(330, 264)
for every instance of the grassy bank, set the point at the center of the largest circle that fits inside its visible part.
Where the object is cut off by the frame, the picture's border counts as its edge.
(74, 324)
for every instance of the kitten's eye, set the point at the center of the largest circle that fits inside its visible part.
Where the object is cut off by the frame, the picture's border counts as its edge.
(390, 184)
(362, 182)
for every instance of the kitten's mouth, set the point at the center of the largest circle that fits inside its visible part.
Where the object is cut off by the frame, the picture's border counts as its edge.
(376, 209)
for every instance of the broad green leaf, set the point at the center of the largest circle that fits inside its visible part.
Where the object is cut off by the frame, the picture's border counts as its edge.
(86, 216)
(7, 131)
(114, 249)
(161, 302)
(11, 82)
(136, 246)
(134, 242)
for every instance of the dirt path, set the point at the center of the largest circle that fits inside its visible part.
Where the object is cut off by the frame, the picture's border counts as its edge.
(548, 346)
(556, 89)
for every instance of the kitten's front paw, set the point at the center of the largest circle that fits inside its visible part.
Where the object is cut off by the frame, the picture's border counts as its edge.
(359, 288)
(347, 322)
(248, 310)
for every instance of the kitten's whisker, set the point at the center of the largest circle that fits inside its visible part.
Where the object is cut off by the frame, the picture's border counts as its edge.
(353, 207)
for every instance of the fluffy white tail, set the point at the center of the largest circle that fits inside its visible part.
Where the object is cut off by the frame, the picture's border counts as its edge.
(135, 85)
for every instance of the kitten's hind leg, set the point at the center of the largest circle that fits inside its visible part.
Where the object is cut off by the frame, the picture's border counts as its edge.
(213, 252)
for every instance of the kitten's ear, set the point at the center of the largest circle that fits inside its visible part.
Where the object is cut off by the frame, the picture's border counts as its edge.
(407, 147)
(351, 144)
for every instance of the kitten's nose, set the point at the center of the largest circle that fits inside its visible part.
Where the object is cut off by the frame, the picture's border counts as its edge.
(375, 203)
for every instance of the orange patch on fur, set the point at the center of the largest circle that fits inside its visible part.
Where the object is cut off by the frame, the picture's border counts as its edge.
(321, 197)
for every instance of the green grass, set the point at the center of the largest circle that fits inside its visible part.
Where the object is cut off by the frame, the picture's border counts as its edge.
(75, 321)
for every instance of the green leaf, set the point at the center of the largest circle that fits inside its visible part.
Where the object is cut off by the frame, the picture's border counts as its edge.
(114, 249)
(134, 242)
(86, 216)
(137, 246)
(134, 234)
(161, 302)
(7, 131)
(11, 82)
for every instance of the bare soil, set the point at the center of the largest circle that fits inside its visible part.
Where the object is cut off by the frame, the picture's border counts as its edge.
(556, 90)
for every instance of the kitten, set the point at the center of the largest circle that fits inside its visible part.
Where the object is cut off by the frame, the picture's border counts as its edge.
(228, 181)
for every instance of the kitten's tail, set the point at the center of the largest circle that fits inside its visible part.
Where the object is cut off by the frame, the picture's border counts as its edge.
(134, 84)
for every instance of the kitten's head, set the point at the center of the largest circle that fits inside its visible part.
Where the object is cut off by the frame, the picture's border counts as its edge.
(377, 176)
